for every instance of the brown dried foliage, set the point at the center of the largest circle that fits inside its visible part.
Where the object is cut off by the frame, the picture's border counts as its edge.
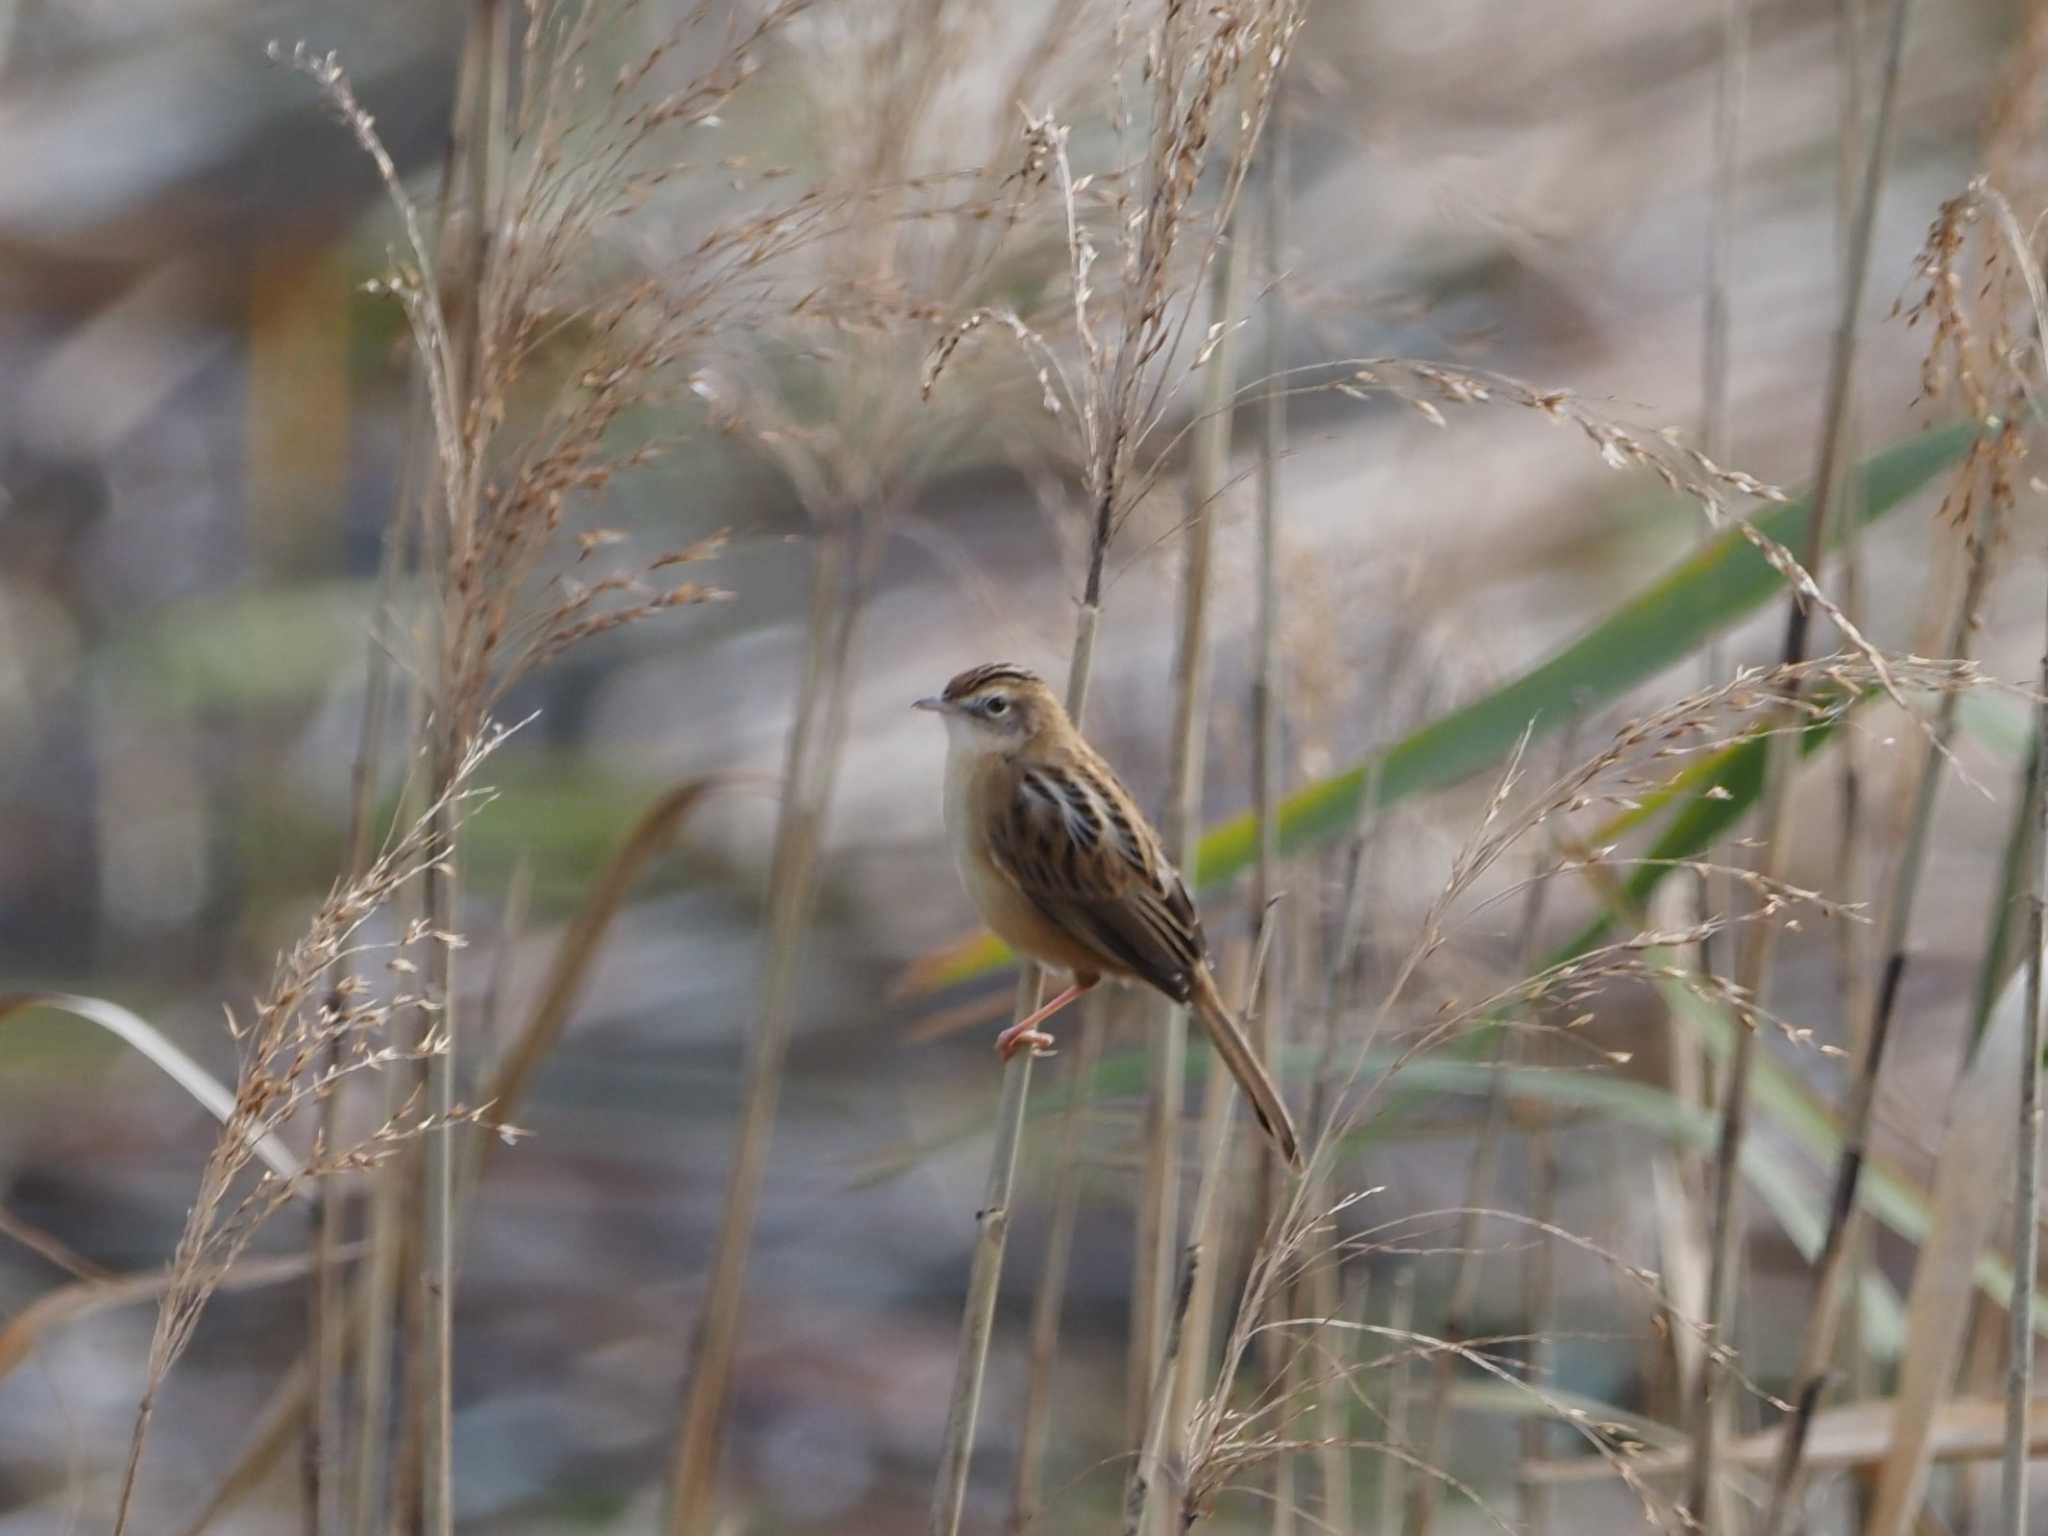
(319, 1025)
(1105, 367)
(1228, 1440)
(1971, 290)
(522, 436)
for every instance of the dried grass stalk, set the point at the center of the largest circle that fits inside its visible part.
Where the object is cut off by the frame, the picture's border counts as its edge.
(1982, 536)
(855, 440)
(308, 1014)
(1479, 1181)
(1110, 400)
(1153, 1298)
(494, 291)
(1753, 963)
(1268, 709)
(1227, 1441)
(2026, 1242)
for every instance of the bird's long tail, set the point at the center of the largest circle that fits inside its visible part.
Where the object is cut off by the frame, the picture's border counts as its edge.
(1236, 1051)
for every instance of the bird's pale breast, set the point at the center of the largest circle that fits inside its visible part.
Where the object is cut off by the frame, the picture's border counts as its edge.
(971, 780)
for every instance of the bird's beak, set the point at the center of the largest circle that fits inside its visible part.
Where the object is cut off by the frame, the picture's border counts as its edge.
(934, 703)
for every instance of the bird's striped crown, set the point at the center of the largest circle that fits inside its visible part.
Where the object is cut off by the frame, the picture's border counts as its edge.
(974, 679)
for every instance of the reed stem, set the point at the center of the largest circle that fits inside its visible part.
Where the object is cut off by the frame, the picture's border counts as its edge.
(1753, 961)
(1834, 1267)
(810, 769)
(1048, 1300)
(992, 1221)
(1479, 1183)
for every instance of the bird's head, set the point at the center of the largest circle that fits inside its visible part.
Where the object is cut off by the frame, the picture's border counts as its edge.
(996, 708)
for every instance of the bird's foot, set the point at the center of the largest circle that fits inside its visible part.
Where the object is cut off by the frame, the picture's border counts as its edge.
(1020, 1035)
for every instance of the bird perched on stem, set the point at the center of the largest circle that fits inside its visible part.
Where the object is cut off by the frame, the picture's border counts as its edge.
(1066, 870)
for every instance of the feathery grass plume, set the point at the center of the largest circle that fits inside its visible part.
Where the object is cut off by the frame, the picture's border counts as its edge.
(533, 353)
(511, 1076)
(524, 429)
(313, 1013)
(1228, 1440)
(1684, 470)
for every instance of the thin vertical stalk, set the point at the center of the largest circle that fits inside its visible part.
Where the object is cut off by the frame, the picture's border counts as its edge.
(1333, 1410)
(992, 1222)
(1980, 1373)
(985, 1279)
(1324, 1372)
(1285, 1497)
(1851, 958)
(1207, 1228)
(1678, 1192)
(1360, 848)
(1268, 687)
(1731, 80)
(1479, 1182)
(2015, 871)
(809, 770)
(2026, 1237)
(1338, 967)
(408, 1458)
(1268, 784)
(1834, 1271)
(437, 1251)
(1853, 949)
(1753, 962)
(2026, 1230)
(386, 1301)
(1048, 1300)
(1158, 1222)
(398, 1211)
(1147, 1501)
(1715, 889)
(1730, 99)
(1539, 1306)
(1400, 1396)
(1211, 466)
(491, 34)
(325, 1336)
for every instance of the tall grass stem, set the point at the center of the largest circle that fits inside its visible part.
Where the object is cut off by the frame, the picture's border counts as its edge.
(1834, 1270)
(1753, 964)
(992, 1221)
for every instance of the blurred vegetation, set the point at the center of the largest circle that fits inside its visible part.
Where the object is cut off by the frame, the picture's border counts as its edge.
(859, 252)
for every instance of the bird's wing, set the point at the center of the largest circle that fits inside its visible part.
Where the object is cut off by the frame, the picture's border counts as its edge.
(1064, 834)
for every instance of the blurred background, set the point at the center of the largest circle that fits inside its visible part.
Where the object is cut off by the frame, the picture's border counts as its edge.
(204, 443)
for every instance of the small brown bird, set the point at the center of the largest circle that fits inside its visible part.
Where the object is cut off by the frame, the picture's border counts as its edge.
(1066, 870)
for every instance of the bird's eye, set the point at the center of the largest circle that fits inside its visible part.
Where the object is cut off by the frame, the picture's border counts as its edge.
(997, 705)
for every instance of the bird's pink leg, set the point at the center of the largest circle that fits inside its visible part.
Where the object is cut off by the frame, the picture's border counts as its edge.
(1026, 1032)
